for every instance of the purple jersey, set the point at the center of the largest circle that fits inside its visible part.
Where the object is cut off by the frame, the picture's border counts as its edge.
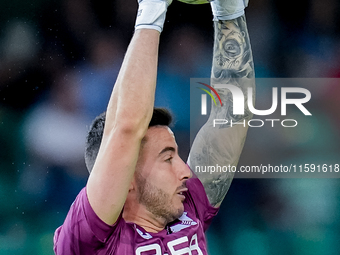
(84, 233)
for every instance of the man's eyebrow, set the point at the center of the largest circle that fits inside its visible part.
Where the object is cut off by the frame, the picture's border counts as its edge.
(167, 149)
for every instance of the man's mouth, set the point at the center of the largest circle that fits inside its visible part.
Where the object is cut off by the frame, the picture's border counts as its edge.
(181, 192)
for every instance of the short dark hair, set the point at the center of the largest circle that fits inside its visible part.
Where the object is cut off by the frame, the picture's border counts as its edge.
(160, 116)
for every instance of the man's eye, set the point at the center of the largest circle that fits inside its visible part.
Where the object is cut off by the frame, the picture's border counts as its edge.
(169, 159)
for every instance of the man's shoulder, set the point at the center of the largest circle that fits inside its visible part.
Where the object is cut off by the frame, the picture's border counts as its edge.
(83, 231)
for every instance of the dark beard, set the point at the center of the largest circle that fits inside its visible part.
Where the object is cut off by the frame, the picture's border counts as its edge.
(156, 201)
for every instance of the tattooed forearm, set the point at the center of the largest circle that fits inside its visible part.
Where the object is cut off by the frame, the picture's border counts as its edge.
(232, 64)
(222, 145)
(232, 57)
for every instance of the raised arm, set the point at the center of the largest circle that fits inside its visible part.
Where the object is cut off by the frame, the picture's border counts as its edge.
(128, 115)
(222, 145)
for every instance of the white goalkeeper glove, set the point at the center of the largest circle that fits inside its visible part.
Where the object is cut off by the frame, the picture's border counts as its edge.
(228, 9)
(151, 14)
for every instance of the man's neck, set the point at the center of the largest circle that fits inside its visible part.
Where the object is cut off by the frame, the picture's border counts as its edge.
(142, 217)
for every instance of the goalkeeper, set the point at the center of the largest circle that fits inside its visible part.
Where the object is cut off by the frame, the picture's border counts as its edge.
(141, 198)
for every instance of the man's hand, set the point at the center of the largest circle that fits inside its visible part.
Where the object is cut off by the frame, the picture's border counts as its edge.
(228, 9)
(151, 14)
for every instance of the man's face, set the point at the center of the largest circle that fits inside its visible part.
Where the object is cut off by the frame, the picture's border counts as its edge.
(161, 175)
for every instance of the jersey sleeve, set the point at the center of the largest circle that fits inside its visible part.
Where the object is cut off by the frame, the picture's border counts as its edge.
(197, 201)
(83, 232)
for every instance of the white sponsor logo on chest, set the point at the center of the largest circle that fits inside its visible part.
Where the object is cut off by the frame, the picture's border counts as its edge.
(185, 223)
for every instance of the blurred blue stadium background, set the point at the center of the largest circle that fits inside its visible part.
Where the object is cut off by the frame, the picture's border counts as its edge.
(58, 63)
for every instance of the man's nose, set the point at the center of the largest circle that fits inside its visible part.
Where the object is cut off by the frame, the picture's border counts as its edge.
(184, 170)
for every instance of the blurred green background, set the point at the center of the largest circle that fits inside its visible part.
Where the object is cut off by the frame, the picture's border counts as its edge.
(58, 62)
